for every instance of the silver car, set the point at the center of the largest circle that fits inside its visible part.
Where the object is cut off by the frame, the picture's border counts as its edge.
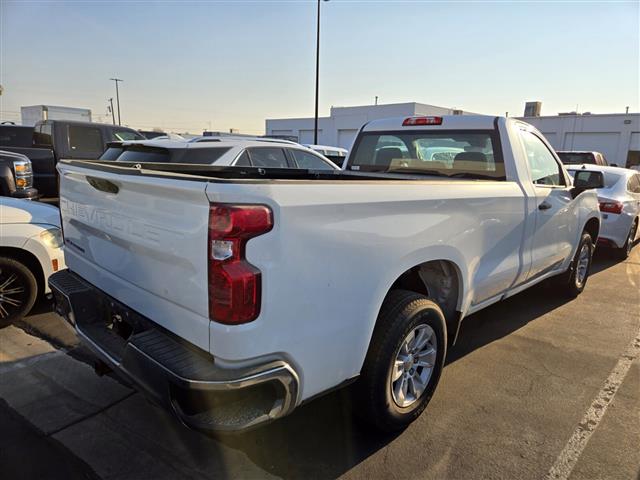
(619, 205)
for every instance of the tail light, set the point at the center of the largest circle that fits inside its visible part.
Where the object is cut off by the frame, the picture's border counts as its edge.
(610, 206)
(414, 121)
(234, 284)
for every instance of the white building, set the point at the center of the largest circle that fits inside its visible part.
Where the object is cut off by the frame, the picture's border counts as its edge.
(341, 126)
(616, 135)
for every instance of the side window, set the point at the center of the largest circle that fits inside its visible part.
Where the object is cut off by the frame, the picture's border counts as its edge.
(634, 184)
(42, 135)
(86, 140)
(124, 135)
(544, 168)
(243, 160)
(309, 161)
(268, 157)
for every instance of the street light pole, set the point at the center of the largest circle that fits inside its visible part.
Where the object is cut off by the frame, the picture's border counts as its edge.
(117, 96)
(113, 114)
(315, 123)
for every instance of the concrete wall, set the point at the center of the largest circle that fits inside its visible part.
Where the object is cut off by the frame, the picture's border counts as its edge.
(615, 135)
(341, 127)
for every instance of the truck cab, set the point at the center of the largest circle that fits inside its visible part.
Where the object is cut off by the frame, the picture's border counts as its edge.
(52, 140)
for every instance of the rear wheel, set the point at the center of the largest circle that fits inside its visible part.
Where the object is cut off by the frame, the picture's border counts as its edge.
(404, 361)
(624, 252)
(573, 281)
(18, 290)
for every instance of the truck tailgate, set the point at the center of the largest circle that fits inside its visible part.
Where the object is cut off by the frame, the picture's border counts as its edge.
(142, 240)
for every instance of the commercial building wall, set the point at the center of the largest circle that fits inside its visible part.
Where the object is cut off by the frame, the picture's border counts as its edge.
(616, 135)
(341, 127)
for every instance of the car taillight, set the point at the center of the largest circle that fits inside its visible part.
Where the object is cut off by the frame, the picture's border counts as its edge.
(234, 284)
(610, 206)
(411, 121)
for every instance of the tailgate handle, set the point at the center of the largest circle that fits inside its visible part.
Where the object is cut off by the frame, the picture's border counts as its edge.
(103, 185)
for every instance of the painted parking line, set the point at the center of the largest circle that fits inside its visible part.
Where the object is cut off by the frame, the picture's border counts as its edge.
(569, 456)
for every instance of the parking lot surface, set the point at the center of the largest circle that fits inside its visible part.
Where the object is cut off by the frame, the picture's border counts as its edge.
(536, 386)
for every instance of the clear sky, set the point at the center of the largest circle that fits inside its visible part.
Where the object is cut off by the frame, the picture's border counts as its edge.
(221, 64)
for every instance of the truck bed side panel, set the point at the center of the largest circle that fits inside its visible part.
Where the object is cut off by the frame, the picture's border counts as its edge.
(337, 247)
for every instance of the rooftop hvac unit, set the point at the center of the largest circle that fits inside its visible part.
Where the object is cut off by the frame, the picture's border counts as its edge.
(532, 109)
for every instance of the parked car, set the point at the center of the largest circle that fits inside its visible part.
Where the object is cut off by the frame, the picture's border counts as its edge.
(16, 176)
(219, 151)
(30, 251)
(232, 296)
(580, 158)
(619, 201)
(336, 154)
(52, 140)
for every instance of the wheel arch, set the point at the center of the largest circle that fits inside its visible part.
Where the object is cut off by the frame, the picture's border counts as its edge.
(28, 259)
(440, 280)
(592, 227)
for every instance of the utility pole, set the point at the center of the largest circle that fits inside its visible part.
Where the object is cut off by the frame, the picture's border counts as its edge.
(376, 99)
(113, 114)
(315, 123)
(117, 96)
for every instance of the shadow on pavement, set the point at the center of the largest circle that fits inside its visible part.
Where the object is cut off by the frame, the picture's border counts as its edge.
(321, 439)
(27, 453)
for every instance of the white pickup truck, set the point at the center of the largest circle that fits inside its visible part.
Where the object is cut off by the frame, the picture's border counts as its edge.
(231, 295)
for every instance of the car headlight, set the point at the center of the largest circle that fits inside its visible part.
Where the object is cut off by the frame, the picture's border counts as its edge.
(23, 174)
(22, 167)
(52, 238)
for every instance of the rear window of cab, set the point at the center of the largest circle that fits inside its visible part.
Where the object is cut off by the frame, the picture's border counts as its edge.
(447, 153)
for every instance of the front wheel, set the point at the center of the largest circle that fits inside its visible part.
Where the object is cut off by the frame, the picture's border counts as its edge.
(18, 290)
(572, 282)
(404, 361)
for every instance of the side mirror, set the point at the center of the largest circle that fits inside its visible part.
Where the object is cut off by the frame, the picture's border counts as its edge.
(586, 180)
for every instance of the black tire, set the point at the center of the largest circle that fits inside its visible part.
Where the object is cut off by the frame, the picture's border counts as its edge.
(401, 314)
(568, 283)
(624, 252)
(22, 286)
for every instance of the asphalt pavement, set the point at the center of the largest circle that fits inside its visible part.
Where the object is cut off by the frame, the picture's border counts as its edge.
(536, 387)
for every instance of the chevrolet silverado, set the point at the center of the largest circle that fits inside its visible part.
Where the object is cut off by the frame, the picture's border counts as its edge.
(233, 294)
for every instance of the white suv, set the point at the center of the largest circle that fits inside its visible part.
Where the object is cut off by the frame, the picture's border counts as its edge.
(30, 251)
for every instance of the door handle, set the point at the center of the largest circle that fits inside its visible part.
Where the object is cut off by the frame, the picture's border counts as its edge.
(544, 206)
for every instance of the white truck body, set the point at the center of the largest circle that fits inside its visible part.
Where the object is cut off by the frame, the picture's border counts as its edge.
(336, 248)
(36, 113)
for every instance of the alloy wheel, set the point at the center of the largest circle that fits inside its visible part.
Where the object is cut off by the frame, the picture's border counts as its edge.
(582, 268)
(413, 365)
(13, 292)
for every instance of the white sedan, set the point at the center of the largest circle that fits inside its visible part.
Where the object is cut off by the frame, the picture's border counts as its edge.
(619, 205)
(220, 151)
(30, 251)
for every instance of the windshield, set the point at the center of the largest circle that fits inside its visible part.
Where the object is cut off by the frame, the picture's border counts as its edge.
(572, 158)
(449, 153)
